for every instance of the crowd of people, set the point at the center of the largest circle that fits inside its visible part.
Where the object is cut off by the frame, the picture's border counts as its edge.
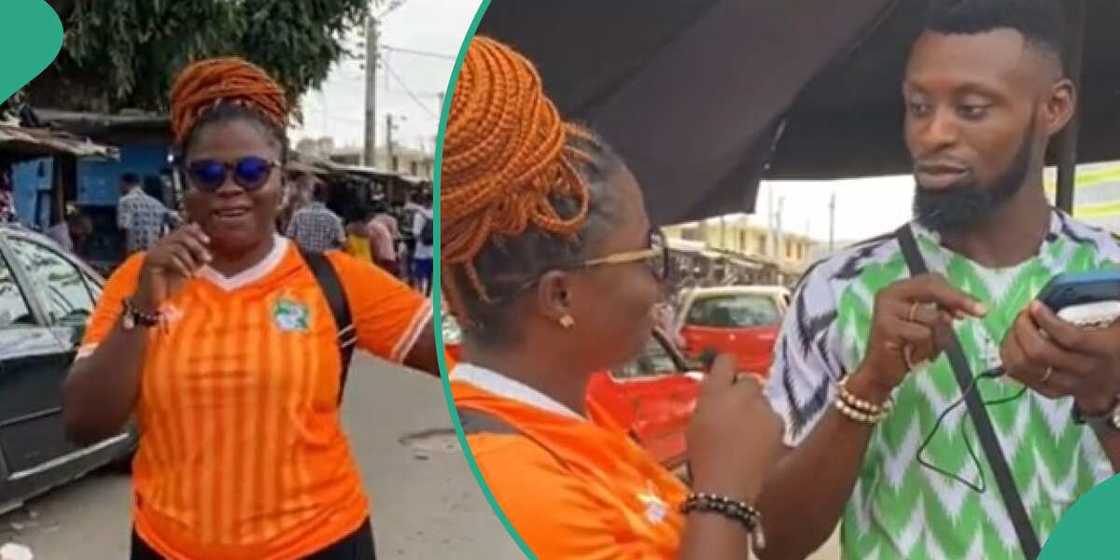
(371, 231)
(397, 239)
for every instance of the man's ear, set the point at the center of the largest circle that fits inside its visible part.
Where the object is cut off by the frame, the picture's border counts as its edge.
(1060, 106)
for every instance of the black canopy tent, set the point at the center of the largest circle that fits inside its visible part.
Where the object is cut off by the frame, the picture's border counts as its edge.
(706, 97)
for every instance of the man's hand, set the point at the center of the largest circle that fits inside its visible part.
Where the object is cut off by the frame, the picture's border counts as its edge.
(912, 323)
(1058, 359)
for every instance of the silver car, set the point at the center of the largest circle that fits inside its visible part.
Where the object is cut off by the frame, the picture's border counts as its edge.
(46, 297)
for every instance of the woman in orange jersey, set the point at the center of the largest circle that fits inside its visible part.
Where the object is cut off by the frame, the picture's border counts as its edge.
(554, 272)
(222, 342)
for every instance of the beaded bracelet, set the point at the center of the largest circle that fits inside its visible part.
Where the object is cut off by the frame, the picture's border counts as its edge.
(150, 319)
(859, 415)
(741, 512)
(860, 404)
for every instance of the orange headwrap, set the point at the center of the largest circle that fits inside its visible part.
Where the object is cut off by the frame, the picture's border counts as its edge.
(505, 154)
(206, 83)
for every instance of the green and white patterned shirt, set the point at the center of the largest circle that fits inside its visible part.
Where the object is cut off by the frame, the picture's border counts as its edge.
(899, 508)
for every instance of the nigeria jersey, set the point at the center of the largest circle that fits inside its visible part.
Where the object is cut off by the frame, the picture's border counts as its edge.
(901, 509)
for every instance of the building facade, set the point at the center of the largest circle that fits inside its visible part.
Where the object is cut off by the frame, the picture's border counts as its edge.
(737, 235)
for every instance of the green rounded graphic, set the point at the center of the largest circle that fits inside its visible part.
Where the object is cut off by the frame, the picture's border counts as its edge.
(30, 38)
(1085, 531)
(436, 289)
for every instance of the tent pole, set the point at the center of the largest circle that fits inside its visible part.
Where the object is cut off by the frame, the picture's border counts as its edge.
(1067, 141)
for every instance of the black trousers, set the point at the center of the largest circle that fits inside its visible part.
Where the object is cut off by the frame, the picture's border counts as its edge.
(355, 546)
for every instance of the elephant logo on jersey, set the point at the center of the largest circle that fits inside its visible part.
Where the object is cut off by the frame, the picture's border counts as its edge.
(291, 316)
(656, 508)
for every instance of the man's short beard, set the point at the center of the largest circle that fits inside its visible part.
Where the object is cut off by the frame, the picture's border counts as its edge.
(965, 207)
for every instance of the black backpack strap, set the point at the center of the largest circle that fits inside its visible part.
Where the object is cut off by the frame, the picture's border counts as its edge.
(478, 422)
(1028, 539)
(327, 278)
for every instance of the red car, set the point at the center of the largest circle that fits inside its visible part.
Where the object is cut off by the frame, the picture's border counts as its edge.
(651, 397)
(738, 320)
(654, 396)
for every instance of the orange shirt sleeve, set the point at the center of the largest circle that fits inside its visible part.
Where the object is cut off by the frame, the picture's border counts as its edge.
(388, 315)
(110, 305)
(558, 515)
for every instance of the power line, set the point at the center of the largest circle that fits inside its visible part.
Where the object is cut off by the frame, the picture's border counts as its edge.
(415, 98)
(415, 52)
(393, 5)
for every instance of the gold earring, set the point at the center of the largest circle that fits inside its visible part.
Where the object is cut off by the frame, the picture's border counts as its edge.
(567, 322)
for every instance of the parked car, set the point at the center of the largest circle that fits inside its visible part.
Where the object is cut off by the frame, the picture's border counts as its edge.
(738, 320)
(46, 297)
(452, 337)
(652, 397)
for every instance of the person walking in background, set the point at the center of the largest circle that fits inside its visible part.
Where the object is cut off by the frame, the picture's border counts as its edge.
(358, 243)
(383, 244)
(407, 213)
(154, 187)
(383, 216)
(423, 230)
(7, 201)
(315, 227)
(80, 227)
(141, 216)
(296, 195)
(221, 342)
(59, 230)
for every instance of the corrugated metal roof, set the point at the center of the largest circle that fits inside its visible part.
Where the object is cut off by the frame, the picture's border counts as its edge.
(39, 142)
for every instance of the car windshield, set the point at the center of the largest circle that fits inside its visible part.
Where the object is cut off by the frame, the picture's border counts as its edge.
(734, 311)
(654, 360)
(452, 333)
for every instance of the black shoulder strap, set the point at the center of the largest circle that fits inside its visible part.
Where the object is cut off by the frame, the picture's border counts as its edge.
(332, 288)
(478, 422)
(1028, 539)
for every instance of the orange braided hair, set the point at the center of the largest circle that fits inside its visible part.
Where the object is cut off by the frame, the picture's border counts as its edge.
(206, 83)
(506, 152)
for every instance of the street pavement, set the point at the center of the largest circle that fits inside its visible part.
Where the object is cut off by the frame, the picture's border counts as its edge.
(426, 504)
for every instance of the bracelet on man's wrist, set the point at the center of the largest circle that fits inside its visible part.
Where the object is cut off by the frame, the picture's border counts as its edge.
(1110, 417)
(858, 409)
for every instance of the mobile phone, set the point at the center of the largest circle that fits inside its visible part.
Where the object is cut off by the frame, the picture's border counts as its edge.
(1088, 299)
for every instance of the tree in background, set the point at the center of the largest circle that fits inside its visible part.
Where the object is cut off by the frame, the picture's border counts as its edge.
(124, 53)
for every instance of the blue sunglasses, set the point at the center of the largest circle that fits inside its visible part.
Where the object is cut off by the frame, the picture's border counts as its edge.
(250, 172)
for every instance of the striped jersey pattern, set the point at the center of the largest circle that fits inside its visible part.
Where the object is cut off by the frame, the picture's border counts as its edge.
(242, 453)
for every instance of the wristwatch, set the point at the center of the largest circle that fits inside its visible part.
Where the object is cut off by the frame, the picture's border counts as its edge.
(133, 316)
(1111, 418)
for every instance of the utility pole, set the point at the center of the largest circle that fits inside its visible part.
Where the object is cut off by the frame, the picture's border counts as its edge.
(771, 223)
(778, 222)
(832, 223)
(389, 141)
(723, 232)
(372, 40)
